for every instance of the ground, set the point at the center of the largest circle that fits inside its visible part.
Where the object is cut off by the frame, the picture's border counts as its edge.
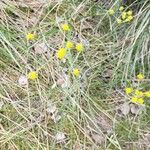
(74, 75)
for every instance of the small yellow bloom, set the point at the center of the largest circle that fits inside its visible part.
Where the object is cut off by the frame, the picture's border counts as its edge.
(30, 36)
(69, 45)
(121, 8)
(76, 72)
(134, 99)
(32, 75)
(147, 94)
(79, 47)
(111, 11)
(129, 12)
(140, 101)
(140, 76)
(124, 15)
(138, 93)
(129, 18)
(128, 90)
(65, 27)
(61, 53)
(119, 21)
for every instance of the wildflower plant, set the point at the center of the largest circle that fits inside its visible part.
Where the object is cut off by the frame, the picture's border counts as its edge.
(137, 95)
(70, 53)
(68, 79)
(121, 15)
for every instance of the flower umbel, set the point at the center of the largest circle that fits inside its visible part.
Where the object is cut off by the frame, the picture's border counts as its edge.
(129, 12)
(121, 8)
(76, 72)
(69, 45)
(32, 75)
(30, 36)
(65, 27)
(138, 93)
(134, 99)
(140, 76)
(61, 53)
(124, 15)
(129, 18)
(147, 94)
(79, 47)
(140, 101)
(119, 21)
(111, 11)
(128, 90)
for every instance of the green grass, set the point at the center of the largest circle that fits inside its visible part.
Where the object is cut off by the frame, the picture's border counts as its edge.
(113, 55)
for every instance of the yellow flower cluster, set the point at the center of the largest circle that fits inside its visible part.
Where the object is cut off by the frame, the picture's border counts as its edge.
(137, 96)
(111, 11)
(62, 52)
(126, 16)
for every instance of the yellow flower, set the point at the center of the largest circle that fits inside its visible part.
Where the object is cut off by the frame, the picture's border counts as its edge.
(69, 45)
(121, 8)
(140, 76)
(134, 99)
(32, 75)
(140, 101)
(76, 72)
(79, 47)
(128, 90)
(65, 27)
(111, 11)
(124, 15)
(119, 21)
(129, 13)
(138, 93)
(147, 94)
(30, 36)
(129, 18)
(61, 53)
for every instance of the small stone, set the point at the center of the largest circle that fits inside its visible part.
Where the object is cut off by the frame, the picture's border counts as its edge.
(23, 80)
(1, 104)
(60, 137)
(125, 109)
